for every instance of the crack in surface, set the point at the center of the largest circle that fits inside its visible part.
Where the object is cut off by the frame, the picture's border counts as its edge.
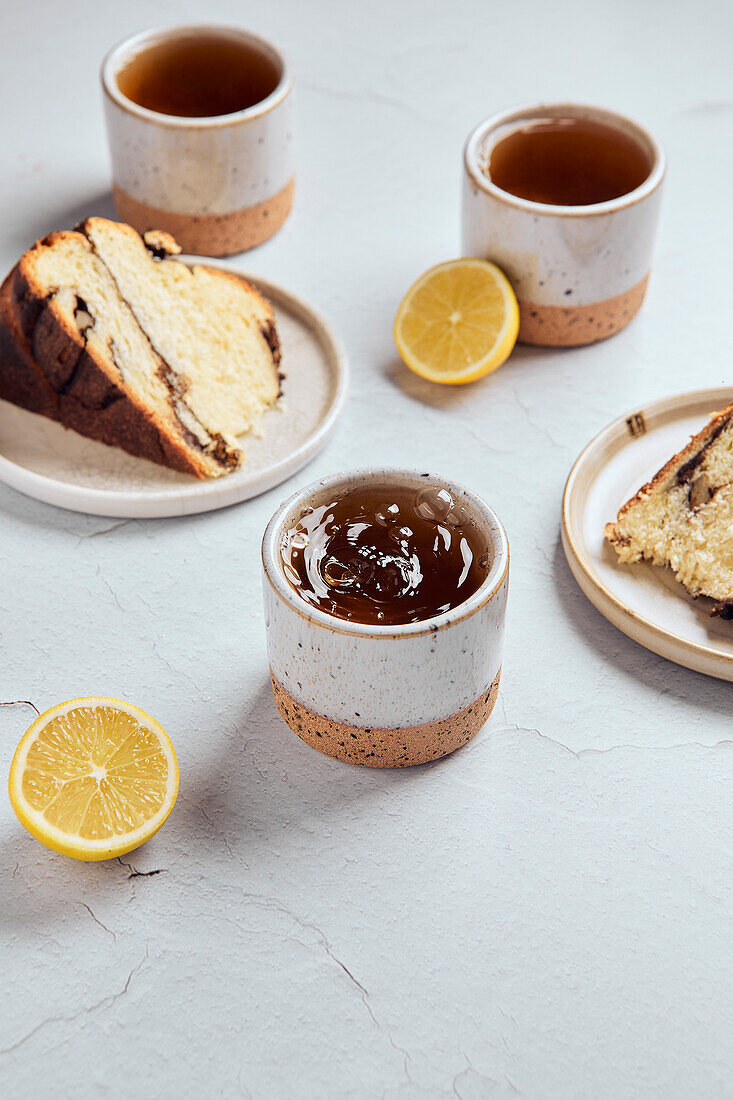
(21, 703)
(272, 903)
(100, 1006)
(578, 753)
(217, 830)
(109, 588)
(97, 921)
(364, 992)
(134, 873)
(370, 96)
(244, 745)
(483, 442)
(163, 660)
(540, 427)
(471, 1069)
(104, 531)
(253, 761)
(176, 671)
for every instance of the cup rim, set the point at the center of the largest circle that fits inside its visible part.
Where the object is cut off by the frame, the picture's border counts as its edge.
(112, 63)
(537, 110)
(275, 575)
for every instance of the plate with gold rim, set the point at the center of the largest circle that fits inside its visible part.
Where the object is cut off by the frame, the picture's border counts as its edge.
(642, 600)
(51, 463)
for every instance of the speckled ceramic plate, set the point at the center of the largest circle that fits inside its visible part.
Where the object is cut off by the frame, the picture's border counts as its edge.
(642, 600)
(49, 462)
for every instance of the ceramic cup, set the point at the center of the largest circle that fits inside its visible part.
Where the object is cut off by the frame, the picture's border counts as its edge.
(219, 185)
(385, 696)
(580, 272)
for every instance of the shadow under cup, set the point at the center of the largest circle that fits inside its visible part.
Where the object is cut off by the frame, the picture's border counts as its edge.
(580, 273)
(385, 696)
(218, 184)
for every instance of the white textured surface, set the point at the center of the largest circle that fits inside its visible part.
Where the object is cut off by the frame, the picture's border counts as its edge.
(524, 918)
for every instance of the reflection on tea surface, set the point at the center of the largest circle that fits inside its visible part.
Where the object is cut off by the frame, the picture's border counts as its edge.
(386, 555)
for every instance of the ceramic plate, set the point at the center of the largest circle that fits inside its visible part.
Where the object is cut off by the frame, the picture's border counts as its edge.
(49, 462)
(642, 600)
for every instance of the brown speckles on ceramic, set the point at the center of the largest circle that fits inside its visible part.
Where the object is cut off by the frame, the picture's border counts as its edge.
(571, 326)
(211, 234)
(397, 747)
(370, 685)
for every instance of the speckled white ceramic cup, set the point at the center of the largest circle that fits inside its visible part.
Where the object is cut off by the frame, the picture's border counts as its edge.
(580, 272)
(219, 185)
(385, 696)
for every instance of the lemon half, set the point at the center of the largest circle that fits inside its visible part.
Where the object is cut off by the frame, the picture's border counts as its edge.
(93, 778)
(458, 322)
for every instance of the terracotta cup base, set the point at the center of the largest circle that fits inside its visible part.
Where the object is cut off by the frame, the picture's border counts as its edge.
(210, 234)
(386, 748)
(571, 326)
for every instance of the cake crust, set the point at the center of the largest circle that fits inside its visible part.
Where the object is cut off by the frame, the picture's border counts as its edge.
(690, 456)
(55, 362)
(47, 370)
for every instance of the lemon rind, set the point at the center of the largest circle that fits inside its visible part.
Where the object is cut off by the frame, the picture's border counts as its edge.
(503, 345)
(67, 843)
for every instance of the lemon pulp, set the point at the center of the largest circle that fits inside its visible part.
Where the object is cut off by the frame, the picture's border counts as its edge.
(458, 322)
(94, 778)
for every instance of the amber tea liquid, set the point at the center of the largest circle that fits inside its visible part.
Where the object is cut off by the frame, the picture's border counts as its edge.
(198, 76)
(385, 555)
(568, 162)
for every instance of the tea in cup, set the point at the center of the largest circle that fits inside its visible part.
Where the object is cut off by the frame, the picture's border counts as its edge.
(200, 127)
(385, 595)
(565, 199)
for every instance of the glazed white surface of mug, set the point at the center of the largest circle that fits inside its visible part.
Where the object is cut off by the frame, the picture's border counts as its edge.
(218, 184)
(385, 696)
(580, 273)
